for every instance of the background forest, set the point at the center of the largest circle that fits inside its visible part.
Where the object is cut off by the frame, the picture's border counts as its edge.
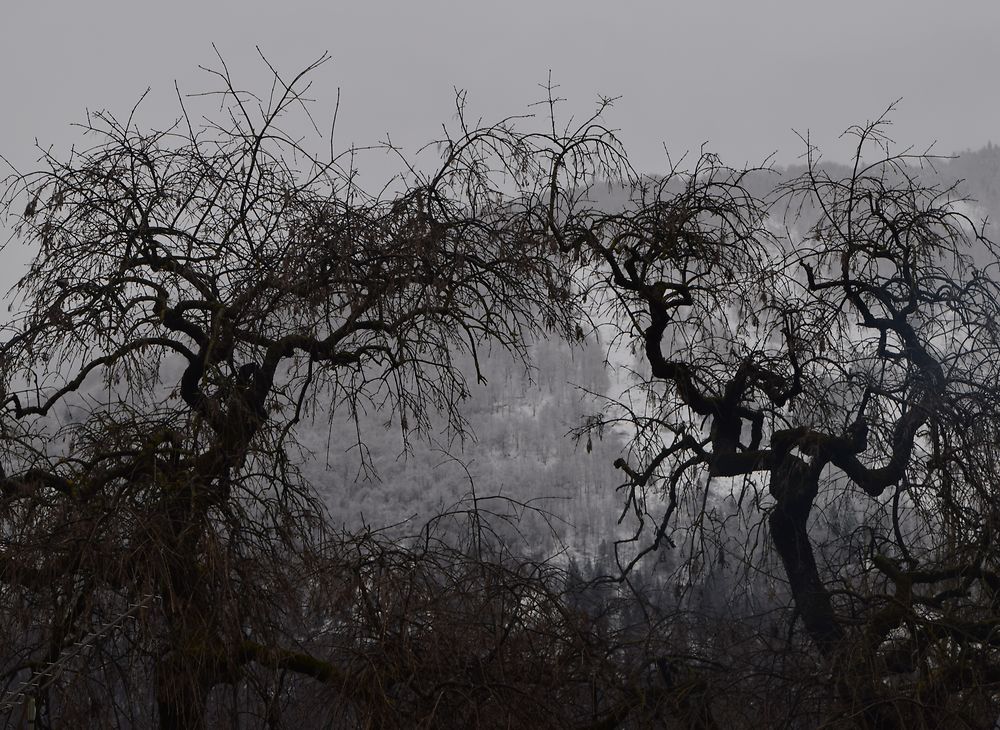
(522, 420)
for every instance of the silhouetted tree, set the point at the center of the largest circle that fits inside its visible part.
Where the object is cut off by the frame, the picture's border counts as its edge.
(840, 357)
(817, 374)
(194, 291)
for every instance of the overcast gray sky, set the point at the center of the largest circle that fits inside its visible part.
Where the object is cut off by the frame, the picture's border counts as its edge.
(737, 74)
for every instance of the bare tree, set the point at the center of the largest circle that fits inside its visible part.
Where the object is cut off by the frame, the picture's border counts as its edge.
(844, 362)
(826, 379)
(195, 289)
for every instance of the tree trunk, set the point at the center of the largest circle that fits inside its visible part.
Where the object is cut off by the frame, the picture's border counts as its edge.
(794, 485)
(181, 695)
